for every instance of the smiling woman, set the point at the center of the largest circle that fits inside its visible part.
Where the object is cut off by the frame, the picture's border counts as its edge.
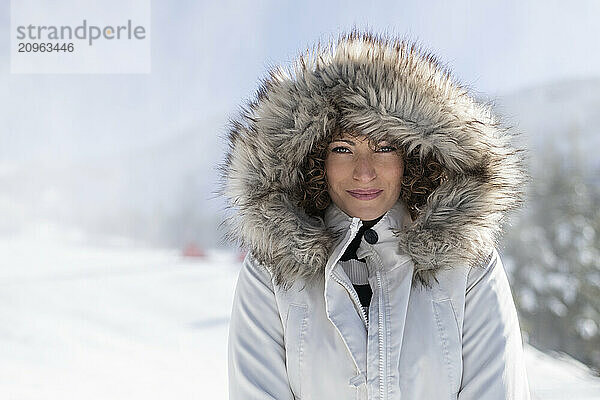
(370, 189)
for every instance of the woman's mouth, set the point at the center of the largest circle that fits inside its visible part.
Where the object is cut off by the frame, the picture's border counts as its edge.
(369, 194)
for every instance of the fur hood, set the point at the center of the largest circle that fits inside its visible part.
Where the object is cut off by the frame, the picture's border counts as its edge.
(385, 87)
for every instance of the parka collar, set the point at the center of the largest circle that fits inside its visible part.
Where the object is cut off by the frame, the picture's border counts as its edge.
(396, 218)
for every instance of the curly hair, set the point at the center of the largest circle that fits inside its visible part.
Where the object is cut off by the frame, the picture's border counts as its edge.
(421, 177)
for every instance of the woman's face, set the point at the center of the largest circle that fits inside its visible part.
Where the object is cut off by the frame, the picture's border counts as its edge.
(362, 182)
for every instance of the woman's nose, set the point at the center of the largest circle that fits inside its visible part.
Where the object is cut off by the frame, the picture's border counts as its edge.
(364, 170)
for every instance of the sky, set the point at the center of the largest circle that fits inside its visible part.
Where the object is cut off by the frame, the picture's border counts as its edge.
(207, 58)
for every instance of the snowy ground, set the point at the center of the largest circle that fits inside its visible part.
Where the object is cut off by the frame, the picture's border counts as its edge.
(118, 321)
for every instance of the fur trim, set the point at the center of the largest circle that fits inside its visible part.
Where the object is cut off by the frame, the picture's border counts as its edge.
(385, 88)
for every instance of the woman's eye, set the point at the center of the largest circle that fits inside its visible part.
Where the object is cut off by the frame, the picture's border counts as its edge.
(386, 149)
(340, 150)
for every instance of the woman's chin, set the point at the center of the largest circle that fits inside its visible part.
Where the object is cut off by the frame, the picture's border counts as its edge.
(367, 212)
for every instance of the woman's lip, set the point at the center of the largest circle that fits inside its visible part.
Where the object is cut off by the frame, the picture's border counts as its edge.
(367, 195)
(365, 191)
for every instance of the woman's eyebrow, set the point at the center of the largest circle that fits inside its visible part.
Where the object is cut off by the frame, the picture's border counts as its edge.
(350, 142)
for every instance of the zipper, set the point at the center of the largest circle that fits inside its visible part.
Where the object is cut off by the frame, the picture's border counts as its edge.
(356, 224)
(382, 322)
(382, 330)
(354, 296)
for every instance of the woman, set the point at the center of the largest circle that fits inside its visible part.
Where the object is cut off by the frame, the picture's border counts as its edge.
(370, 190)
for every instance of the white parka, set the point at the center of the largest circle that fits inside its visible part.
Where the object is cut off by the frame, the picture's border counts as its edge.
(442, 321)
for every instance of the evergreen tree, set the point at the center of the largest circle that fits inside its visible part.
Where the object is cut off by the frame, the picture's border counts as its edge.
(554, 259)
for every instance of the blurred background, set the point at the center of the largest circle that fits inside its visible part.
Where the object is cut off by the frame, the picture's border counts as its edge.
(114, 280)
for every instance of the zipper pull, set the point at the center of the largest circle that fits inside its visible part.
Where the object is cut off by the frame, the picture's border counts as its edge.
(358, 380)
(355, 224)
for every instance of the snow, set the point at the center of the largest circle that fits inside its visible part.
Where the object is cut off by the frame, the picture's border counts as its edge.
(559, 377)
(122, 321)
(587, 328)
(112, 322)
